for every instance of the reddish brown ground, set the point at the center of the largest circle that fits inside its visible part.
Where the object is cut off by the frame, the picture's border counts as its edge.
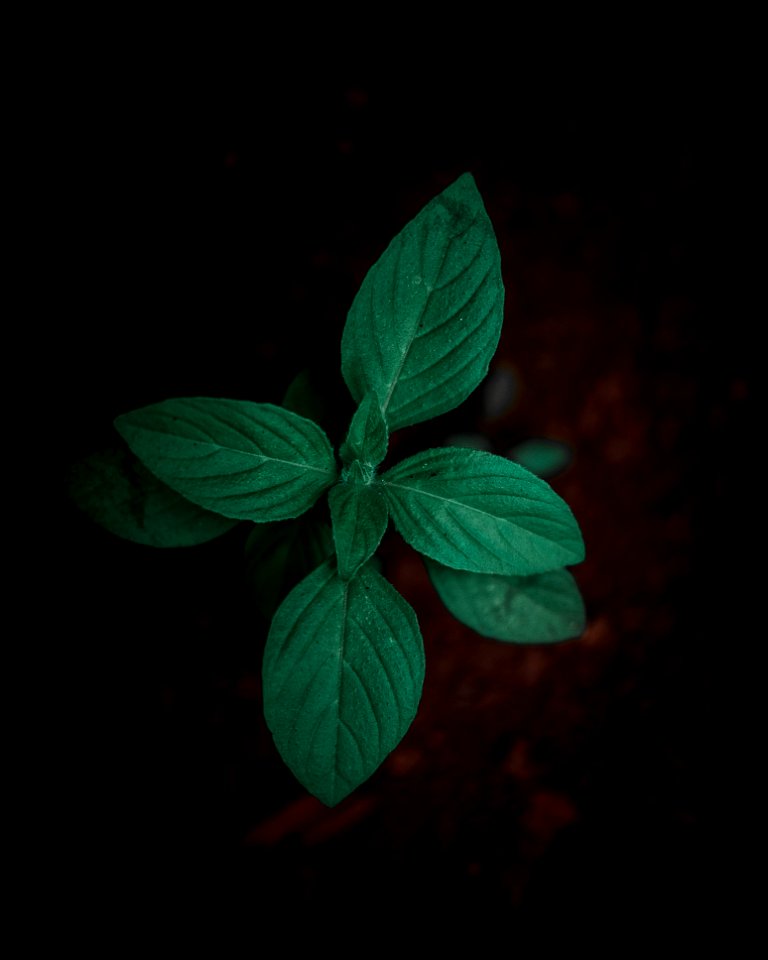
(537, 785)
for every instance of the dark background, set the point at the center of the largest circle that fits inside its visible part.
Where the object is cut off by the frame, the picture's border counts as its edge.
(216, 225)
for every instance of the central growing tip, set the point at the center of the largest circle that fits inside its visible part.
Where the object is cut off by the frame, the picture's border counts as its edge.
(358, 472)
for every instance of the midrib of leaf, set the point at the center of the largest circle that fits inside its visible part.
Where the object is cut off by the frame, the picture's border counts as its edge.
(247, 453)
(440, 459)
(461, 503)
(453, 535)
(270, 428)
(430, 290)
(412, 337)
(457, 346)
(486, 546)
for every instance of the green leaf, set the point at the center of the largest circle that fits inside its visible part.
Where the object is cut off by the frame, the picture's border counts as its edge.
(360, 517)
(426, 321)
(368, 437)
(116, 491)
(252, 461)
(545, 458)
(343, 672)
(542, 608)
(472, 510)
(279, 555)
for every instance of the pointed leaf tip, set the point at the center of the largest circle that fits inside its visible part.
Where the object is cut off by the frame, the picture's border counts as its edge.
(426, 321)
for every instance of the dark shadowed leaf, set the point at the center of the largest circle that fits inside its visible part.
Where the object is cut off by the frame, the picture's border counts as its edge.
(279, 555)
(305, 397)
(426, 320)
(542, 608)
(252, 461)
(472, 510)
(545, 458)
(121, 495)
(343, 673)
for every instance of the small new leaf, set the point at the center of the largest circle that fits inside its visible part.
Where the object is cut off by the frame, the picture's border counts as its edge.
(473, 510)
(114, 488)
(543, 608)
(368, 437)
(425, 323)
(343, 672)
(250, 461)
(305, 395)
(360, 517)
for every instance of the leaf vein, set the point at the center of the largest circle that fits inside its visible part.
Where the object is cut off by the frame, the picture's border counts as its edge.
(365, 690)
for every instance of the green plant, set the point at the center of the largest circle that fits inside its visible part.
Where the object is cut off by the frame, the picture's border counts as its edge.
(344, 661)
